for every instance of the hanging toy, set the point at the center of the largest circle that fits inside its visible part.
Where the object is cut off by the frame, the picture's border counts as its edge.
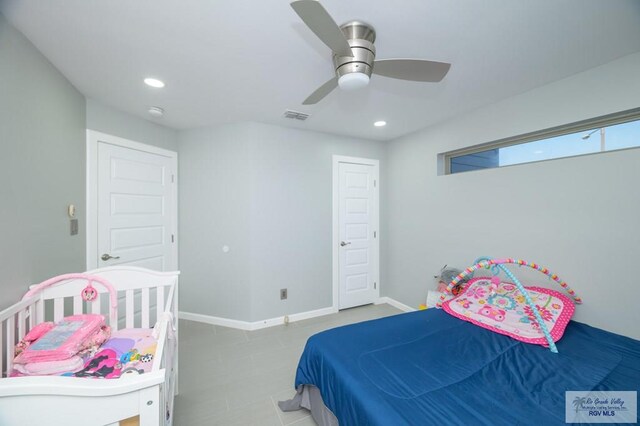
(89, 294)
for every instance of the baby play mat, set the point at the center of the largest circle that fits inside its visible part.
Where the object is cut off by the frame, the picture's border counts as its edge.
(503, 309)
(496, 302)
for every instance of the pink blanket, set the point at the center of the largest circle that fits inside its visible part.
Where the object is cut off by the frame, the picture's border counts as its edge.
(62, 340)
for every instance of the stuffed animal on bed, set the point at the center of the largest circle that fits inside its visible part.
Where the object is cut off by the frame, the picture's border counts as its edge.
(443, 279)
(446, 276)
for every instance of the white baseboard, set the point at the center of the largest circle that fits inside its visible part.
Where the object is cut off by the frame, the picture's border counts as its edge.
(208, 319)
(394, 303)
(256, 325)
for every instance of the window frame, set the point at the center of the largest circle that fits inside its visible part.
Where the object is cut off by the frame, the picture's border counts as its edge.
(551, 132)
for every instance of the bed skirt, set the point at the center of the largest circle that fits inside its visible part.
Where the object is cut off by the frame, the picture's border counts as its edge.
(309, 397)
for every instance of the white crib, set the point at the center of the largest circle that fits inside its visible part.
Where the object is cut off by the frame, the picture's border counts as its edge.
(145, 298)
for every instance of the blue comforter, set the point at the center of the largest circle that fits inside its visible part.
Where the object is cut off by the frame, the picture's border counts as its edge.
(427, 367)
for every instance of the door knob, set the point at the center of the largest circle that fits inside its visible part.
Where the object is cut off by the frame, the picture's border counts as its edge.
(107, 256)
(342, 243)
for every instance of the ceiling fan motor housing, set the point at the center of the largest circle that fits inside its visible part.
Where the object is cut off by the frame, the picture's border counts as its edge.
(361, 37)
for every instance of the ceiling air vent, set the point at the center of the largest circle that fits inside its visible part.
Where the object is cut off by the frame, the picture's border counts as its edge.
(295, 115)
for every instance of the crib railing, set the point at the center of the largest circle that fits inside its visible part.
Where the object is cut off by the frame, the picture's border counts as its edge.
(15, 322)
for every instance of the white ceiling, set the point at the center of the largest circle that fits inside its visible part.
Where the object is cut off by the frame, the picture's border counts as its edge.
(249, 60)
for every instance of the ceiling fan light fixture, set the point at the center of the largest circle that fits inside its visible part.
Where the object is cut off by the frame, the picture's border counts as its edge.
(354, 54)
(353, 81)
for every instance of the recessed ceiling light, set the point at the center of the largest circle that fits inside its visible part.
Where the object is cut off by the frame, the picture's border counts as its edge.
(154, 82)
(380, 123)
(156, 111)
(539, 151)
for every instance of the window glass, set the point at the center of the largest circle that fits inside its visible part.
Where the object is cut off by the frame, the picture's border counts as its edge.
(601, 139)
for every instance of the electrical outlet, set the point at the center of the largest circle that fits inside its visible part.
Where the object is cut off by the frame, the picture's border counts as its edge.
(283, 293)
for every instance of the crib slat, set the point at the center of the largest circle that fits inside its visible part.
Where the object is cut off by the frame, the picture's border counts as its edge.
(113, 317)
(129, 308)
(58, 309)
(31, 318)
(95, 306)
(77, 305)
(39, 312)
(10, 341)
(159, 301)
(145, 308)
(21, 321)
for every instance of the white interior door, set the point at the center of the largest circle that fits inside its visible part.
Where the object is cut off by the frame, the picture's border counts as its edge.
(358, 228)
(136, 207)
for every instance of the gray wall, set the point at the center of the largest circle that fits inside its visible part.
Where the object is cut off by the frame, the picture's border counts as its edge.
(264, 191)
(577, 216)
(111, 121)
(214, 192)
(42, 167)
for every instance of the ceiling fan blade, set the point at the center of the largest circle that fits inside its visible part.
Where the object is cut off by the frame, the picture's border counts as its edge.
(323, 25)
(411, 69)
(321, 92)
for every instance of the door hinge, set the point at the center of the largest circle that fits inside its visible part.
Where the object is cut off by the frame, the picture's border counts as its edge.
(375, 182)
(173, 238)
(173, 178)
(375, 234)
(375, 285)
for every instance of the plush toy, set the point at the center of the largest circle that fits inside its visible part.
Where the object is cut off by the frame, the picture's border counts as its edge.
(446, 276)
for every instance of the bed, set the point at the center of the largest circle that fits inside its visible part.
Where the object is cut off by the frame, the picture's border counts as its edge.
(428, 367)
(145, 300)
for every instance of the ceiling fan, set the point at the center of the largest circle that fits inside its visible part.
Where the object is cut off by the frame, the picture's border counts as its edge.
(354, 53)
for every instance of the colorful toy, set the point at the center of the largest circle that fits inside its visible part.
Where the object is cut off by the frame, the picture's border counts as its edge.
(146, 357)
(89, 294)
(130, 356)
(497, 265)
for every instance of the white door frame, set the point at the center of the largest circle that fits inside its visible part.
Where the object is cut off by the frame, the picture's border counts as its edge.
(337, 159)
(93, 137)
